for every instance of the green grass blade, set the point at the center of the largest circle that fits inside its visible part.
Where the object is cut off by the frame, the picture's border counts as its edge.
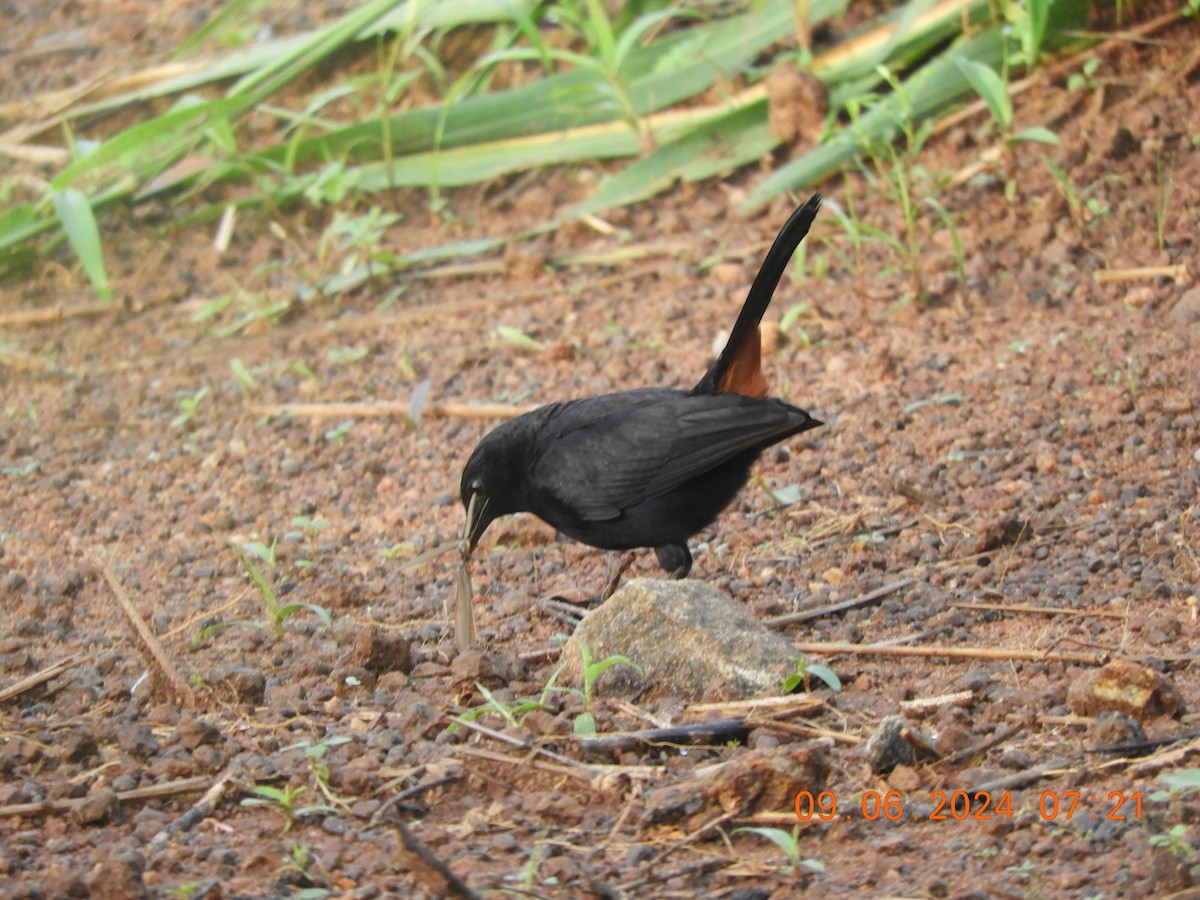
(987, 83)
(75, 214)
(718, 145)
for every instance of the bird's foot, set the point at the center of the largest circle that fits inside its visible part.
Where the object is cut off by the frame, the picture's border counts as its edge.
(675, 559)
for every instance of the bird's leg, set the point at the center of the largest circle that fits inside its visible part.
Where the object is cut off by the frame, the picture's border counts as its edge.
(614, 580)
(676, 559)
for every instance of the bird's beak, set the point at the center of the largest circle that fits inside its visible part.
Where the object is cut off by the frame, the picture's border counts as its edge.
(473, 527)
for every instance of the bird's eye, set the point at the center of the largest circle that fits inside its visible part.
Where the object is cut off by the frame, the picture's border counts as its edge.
(476, 486)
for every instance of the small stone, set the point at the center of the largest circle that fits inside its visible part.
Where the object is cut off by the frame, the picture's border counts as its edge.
(728, 273)
(137, 740)
(192, 732)
(686, 636)
(97, 808)
(249, 685)
(118, 876)
(1126, 687)
(380, 650)
(1187, 309)
(894, 743)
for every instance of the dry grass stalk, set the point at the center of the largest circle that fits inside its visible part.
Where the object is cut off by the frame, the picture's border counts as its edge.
(833, 608)
(998, 653)
(144, 638)
(153, 792)
(40, 677)
(57, 314)
(924, 704)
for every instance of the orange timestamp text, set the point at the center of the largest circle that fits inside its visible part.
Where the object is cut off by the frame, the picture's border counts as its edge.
(958, 806)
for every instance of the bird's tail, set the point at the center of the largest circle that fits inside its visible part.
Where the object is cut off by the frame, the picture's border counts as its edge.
(738, 370)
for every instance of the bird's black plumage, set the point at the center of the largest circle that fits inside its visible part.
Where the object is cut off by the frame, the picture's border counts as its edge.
(649, 467)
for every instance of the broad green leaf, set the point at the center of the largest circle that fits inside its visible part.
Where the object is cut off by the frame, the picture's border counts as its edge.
(988, 84)
(75, 214)
(1037, 133)
(716, 146)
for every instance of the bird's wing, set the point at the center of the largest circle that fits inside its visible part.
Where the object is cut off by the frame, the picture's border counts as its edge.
(606, 458)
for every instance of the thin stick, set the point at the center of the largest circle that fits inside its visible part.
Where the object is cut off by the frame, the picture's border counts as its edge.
(515, 742)
(984, 746)
(153, 651)
(408, 794)
(493, 756)
(833, 608)
(809, 731)
(57, 314)
(1040, 610)
(154, 792)
(1000, 653)
(922, 704)
(1021, 778)
(41, 677)
(776, 706)
(417, 846)
(1140, 273)
(201, 810)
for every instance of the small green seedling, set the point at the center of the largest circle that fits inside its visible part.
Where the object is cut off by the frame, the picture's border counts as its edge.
(277, 613)
(309, 527)
(188, 407)
(315, 752)
(513, 714)
(338, 435)
(805, 672)
(1174, 840)
(1084, 78)
(789, 843)
(284, 800)
(585, 722)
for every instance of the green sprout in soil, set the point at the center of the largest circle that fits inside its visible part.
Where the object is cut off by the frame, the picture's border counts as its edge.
(315, 753)
(806, 672)
(276, 613)
(892, 167)
(308, 528)
(512, 713)
(284, 801)
(188, 407)
(789, 843)
(585, 722)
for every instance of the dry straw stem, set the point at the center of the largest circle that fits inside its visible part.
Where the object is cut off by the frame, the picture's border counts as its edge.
(40, 677)
(1141, 273)
(835, 648)
(58, 313)
(924, 704)
(201, 810)
(153, 792)
(152, 649)
(834, 608)
(777, 707)
(977, 750)
(1024, 608)
(579, 771)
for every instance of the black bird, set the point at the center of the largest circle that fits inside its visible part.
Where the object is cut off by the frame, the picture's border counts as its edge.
(649, 467)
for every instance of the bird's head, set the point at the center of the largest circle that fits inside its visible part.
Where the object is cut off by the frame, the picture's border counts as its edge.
(488, 486)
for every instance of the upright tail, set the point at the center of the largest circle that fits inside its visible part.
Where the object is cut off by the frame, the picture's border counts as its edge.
(738, 370)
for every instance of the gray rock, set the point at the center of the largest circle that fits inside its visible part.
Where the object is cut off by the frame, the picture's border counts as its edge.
(687, 636)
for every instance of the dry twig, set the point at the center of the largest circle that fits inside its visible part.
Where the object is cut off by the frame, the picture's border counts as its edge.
(144, 638)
